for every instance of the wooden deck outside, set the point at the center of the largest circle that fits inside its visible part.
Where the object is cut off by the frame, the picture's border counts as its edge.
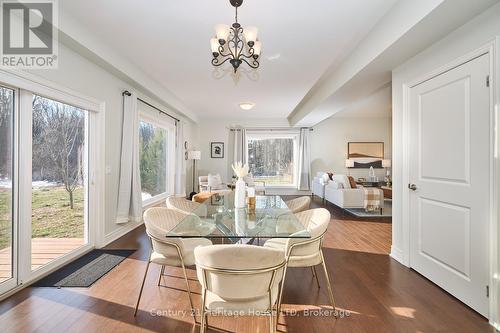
(43, 250)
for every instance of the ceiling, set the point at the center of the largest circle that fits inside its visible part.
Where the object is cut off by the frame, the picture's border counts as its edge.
(377, 105)
(169, 42)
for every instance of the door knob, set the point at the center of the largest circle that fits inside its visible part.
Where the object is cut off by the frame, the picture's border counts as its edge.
(412, 187)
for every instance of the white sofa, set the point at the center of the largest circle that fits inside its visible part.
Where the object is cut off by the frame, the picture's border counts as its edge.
(318, 184)
(338, 191)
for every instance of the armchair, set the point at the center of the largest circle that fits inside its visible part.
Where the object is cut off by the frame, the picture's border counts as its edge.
(205, 185)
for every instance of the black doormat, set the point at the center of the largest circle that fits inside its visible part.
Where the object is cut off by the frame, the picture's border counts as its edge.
(86, 270)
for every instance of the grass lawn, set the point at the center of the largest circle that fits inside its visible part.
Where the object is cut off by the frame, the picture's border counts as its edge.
(51, 214)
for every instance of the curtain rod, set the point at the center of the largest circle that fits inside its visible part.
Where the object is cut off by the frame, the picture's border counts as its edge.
(232, 129)
(127, 93)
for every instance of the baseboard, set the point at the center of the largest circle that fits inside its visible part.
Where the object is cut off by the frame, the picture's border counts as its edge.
(397, 255)
(121, 231)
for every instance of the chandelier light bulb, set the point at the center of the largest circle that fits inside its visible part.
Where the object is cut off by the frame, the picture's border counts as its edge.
(257, 48)
(214, 45)
(250, 34)
(222, 32)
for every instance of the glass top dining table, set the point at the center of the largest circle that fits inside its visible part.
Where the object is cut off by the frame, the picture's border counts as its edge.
(216, 217)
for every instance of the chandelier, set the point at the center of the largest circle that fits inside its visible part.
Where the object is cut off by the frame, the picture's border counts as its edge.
(235, 44)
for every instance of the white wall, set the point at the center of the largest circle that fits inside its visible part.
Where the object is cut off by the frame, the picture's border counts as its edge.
(82, 75)
(217, 130)
(328, 142)
(481, 30)
(330, 137)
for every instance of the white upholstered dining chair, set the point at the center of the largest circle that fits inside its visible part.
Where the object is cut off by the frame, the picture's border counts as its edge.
(300, 252)
(182, 205)
(165, 251)
(258, 185)
(298, 204)
(239, 280)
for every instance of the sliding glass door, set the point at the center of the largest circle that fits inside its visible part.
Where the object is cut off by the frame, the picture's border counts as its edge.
(58, 173)
(48, 189)
(7, 237)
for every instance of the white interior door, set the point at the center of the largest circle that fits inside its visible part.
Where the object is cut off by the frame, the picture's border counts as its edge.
(450, 176)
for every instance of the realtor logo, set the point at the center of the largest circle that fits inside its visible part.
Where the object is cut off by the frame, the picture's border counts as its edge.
(29, 34)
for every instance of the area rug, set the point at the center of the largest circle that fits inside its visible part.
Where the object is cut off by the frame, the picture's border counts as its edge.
(86, 270)
(360, 212)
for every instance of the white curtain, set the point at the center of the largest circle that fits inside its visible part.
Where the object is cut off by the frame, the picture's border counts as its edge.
(304, 160)
(180, 168)
(129, 208)
(240, 137)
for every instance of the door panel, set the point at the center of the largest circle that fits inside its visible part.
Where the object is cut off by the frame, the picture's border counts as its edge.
(437, 112)
(437, 219)
(58, 180)
(7, 248)
(450, 165)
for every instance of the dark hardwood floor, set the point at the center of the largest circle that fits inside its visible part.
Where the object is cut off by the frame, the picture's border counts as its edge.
(380, 294)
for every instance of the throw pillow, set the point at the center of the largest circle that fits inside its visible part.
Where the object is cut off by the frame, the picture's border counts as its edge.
(214, 182)
(336, 185)
(352, 182)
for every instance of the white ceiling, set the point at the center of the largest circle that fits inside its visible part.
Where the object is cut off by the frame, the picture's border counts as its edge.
(377, 105)
(169, 41)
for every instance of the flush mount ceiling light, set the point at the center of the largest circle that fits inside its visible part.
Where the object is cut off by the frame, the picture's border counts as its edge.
(247, 106)
(235, 44)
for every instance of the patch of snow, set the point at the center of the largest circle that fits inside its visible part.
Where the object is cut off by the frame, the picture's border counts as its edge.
(43, 183)
(7, 183)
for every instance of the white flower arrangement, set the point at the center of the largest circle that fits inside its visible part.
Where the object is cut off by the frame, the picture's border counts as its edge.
(240, 169)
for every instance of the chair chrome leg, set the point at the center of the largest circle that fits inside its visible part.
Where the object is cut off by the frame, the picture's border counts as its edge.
(330, 292)
(193, 313)
(203, 313)
(280, 296)
(142, 287)
(161, 274)
(315, 274)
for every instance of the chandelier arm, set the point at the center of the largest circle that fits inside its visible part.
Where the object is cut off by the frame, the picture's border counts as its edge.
(250, 53)
(215, 61)
(221, 52)
(225, 55)
(240, 43)
(233, 54)
(237, 42)
(255, 64)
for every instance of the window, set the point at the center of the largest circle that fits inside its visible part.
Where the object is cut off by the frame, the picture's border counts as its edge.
(272, 157)
(156, 156)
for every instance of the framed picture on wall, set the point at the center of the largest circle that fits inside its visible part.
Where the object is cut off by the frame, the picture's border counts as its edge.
(366, 154)
(217, 149)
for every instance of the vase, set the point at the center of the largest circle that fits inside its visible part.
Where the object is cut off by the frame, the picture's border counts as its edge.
(239, 195)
